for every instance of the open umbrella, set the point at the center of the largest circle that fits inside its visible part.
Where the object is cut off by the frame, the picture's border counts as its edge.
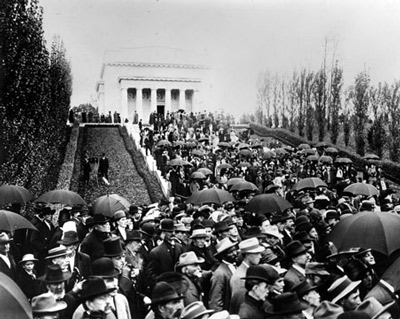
(211, 195)
(326, 159)
(312, 158)
(245, 152)
(244, 164)
(304, 146)
(370, 156)
(309, 151)
(267, 203)
(197, 175)
(280, 151)
(225, 166)
(10, 221)
(163, 143)
(243, 185)
(343, 160)
(269, 154)
(13, 302)
(376, 230)
(224, 144)
(179, 162)
(107, 205)
(61, 196)
(206, 171)
(331, 150)
(232, 181)
(361, 189)
(11, 194)
(309, 183)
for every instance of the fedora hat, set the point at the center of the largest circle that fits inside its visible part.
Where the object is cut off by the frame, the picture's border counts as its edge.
(112, 247)
(133, 235)
(195, 310)
(383, 292)
(47, 303)
(341, 288)
(55, 275)
(167, 225)
(315, 268)
(164, 293)
(148, 229)
(94, 287)
(272, 231)
(286, 303)
(303, 288)
(302, 236)
(224, 245)
(362, 251)
(4, 238)
(189, 258)
(99, 219)
(176, 280)
(199, 233)
(220, 227)
(27, 257)
(355, 269)
(327, 310)
(253, 232)
(104, 268)
(224, 314)
(265, 273)
(69, 238)
(47, 211)
(373, 307)
(295, 248)
(354, 314)
(181, 228)
(250, 246)
(56, 252)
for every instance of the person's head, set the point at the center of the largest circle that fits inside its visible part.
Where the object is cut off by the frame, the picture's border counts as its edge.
(308, 293)
(166, 302)
(47, 214)
(287, 306)
(28, 262)
(104, 268)
(120, 219)
(366, 256)
(4, 243)
(196, 310)
(272, 235)
(45, 306)
(227, 250)
(181, 232)
(251, 251)
(101, 223)
(199, 236)
(221, 230)
(298, 253)
(167, 228)
(96, 295)
(189, 264)
(133, 240)
(113, 250)
(58, 256)
(375, 309)
(259, 278)
(345, 293)
(54, 280)
(70, 241)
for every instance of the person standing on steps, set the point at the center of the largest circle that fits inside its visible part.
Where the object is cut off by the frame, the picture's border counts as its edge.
(86, 170)
(104, 166)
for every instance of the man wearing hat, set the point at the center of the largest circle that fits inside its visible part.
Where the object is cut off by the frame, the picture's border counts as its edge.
(7, 263)
(258, 279)
(375, 309)
(272, 242)
(92, 244)
(310, 295)
(27, 279)
(166, 303)
(196, 310)
(286, 306)
(345, 293)
(189, 266)
(63, 216)
(327, 310)
(220, 292)
(250, 250)
(198, 245)
(120, 224)
(164, 257)
(299, 257)
(181, 234)
(285, 223)
(45, 306)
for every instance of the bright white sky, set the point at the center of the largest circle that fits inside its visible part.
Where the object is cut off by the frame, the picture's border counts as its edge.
(241, 38)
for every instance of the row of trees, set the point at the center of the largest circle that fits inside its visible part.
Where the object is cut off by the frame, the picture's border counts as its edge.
(35, 91)
(316, 103)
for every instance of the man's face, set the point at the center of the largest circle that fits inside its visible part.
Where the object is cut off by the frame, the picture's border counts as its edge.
(264, 225)
(254, 259)
(62, 261)
(313, 298)
(199, 242)
(58, 289)
(172, 310)
(48, 217)
(104, 228)
(369, 259)
(167, 234)
(4, 248)
(289, 224)
(223, 234)
(134, 245)
(122, 222)
(278, 285)
(302, 259)
(181, 235)
(261, 290)
(193, 270)
(28, 266)
(119, 262)
(351, 301)
(231, 255)
(111, 283)
(271, 240)
(101, 303)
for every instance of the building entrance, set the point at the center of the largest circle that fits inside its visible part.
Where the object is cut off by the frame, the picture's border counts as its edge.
(161, 110)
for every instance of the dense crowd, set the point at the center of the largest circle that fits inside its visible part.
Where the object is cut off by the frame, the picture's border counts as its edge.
(191, 257)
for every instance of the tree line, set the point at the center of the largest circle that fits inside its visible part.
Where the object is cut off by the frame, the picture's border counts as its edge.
(35, 91)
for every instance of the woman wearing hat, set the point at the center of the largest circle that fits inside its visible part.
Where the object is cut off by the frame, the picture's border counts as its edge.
(27, 279)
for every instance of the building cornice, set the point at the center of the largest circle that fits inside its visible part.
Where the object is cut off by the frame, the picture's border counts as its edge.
(158, 65)
(157, 79)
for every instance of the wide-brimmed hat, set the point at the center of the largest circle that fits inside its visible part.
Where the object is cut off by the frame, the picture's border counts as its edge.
(266, 273)
(272, 231)
(221, 227)
(373, 307)
(181, 228)
(56, 252)
(163, 293)
(167, 225)
(55, 275)
(94, 287)
(250, 246)
(199, 233)
(303, 288)
(27, 257)
(4, 238)
(195, 310)
(287, 303)
(224, 314)
(253, 232)
(104, 267)
(315, 268)
(224, 245)
(189, 258)
(112, 247)
(342, 287)
(295, 248)
(99, 219)
(353, 314)
(327, 310)
(133, 235)
(47, 303)
(361, 251)
(69, 238)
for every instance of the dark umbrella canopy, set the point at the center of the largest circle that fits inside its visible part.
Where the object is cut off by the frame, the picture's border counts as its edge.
(13, 302)
(13, 194)
(370, 156)
(179, 162)
(10, 221)
(206, 171)
(225, 165)
(309, 183)
(232, 181)
(212, 195)
(343, 160)
(304, 146)
(164, 143)
(243, 185)
(268, 155)
(61, 196)
(376, 230)
(361, 189)
(326, 159)
(267, 203)
(197, 175)
(107, 205)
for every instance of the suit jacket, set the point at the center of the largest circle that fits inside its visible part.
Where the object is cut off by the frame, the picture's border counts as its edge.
(292, 278)
(237, 288)
(9, 271)
(82, 270)
(28, 284)
(251, 309)
(93, 246)
(220, 292)
(193, 293)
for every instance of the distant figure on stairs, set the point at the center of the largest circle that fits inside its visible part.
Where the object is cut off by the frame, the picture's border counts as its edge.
(104, 166)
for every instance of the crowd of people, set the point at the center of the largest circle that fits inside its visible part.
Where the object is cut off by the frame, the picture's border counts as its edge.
(184, 259)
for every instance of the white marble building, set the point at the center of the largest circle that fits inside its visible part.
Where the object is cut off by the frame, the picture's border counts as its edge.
(151, 79)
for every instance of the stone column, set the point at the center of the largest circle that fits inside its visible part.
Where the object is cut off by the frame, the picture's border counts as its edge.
(139, 103)
(167, 101)
(153, 100)
(124, 104)
(195, 101)
(182, 102)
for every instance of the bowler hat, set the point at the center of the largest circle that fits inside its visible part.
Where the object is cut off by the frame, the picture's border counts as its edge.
(295, 248)
(341, 288)
(164, 293)
(224, 245)
(265, 273)
(69, 238)
(99, 219)
(253, 232)
(47, 303)
(176, 280)
(373, 307)
(64, 216)
(147, 229)
(112, 247)
(118, 215)
(133, 235)
(302, 288)
(4, 238)
(47, 211)
(27, 257)
(302, 236)
(104, 267)
(56, 252)
(167, 225)
(286, 303)
(133, 210)
(327, 310)
(54, 275)
(272, 231)
(362, 251)
(250, 246)
(304, 226)
(94, 287)
(353, 314)
(221, 227)
(195, 310)
(189, 258)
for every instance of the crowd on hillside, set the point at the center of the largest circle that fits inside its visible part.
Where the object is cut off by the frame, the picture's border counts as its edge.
(190, 257)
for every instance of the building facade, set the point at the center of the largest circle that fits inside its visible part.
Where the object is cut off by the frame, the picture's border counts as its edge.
(152, 79)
